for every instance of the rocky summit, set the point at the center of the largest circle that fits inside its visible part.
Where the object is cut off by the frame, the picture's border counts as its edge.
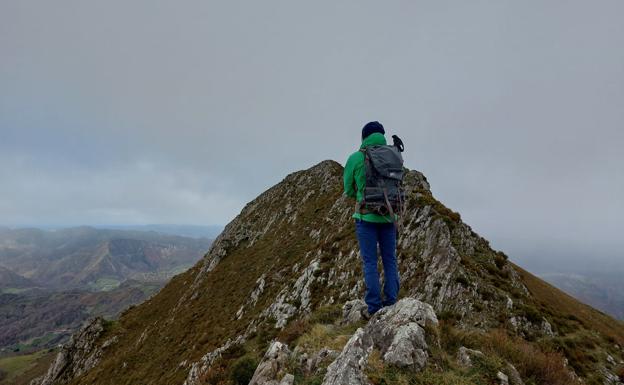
(276, 300)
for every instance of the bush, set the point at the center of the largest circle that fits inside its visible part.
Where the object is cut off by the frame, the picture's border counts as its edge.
(500, 260)
(242, 370)
(462, 280)
(620, 372)
(293, 330)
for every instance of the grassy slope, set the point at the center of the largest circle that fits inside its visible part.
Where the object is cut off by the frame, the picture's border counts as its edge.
(23, 368)
(564, 304)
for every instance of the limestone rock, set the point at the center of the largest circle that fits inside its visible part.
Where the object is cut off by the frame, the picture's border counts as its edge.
(514, 376)
(396, 331)
(199, 368)
(464, 356)
(288, 379)
(352, 311)
(348, 368)
(271, 369)
(311, 364)
(502, 378)
(76, 357)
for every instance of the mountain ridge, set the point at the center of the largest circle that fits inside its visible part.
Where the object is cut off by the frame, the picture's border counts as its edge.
(290, 256)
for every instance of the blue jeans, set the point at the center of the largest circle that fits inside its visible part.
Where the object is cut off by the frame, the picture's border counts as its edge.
(369, 235)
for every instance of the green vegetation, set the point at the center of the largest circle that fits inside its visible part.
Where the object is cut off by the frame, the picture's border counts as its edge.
(242, 370)
(104, 284)
(13, 290)
(20, 369)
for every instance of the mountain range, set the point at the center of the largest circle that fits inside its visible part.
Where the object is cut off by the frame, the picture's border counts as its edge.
(88, 257)
(276, 301)
(51, 281)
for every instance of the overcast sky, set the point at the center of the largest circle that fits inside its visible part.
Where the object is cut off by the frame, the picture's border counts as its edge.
(132, 112)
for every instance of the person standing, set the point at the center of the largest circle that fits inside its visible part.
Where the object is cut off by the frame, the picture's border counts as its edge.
(374, 227)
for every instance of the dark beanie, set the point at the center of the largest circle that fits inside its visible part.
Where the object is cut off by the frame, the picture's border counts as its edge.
(372, 127)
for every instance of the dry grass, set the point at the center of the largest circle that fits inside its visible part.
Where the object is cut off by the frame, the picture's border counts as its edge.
(324, 336)
(532, 363)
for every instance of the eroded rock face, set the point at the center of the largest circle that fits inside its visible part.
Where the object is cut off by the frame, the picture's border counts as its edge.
(200, 367)
(271, 370)
(80, 354)
(348, 368)
(396, 331)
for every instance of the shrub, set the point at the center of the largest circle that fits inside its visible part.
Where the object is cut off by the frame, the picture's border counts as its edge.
(293, 330)
(620, 372)
(242, 370)
(462, 280)
(500, 260)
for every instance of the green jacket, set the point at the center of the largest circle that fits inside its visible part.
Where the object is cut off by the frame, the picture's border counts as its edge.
(355, 177)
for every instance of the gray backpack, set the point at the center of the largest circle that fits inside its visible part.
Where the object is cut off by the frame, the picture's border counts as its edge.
(384, 193)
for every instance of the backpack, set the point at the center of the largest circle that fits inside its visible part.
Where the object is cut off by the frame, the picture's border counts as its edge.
(383, 192)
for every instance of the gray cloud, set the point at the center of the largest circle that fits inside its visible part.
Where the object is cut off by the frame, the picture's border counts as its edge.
(150, 111)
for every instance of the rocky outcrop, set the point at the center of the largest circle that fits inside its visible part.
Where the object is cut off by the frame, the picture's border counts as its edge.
(348, 368)
(272, 368)
(80, 354)
(199, 368)
(396, 331)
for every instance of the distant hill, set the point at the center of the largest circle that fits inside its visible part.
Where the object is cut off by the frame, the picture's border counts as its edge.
(192, 231)
(604, 291)
(51, 281)
(37, 318)
(10, 279)
(96, 258)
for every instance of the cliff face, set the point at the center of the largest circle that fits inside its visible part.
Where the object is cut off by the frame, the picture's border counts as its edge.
(284, 268)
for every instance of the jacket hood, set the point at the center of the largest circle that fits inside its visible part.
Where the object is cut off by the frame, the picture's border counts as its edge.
(374, 139)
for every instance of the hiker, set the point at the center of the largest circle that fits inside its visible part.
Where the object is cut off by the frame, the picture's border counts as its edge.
(376, 164)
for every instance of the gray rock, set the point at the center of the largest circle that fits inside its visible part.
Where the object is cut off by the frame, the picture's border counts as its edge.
(352, 311)
(514, 376)
(408, 347)
(311, 364)
(288, 379)
(502, 378)
(464, 356)
(272, 366)
(348, 368)
(199, 368)
(396, 331)
(609, 378)
(78, 356)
